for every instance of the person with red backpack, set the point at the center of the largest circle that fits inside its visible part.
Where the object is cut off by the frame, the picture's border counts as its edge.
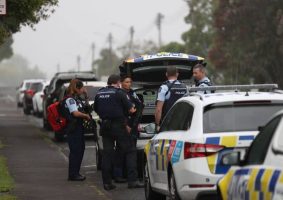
(74, 113)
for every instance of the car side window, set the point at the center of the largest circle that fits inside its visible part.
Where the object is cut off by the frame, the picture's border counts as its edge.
(178, 118)
(259, 147)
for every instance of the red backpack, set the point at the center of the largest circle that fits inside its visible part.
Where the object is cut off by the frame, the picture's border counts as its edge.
(55, 118)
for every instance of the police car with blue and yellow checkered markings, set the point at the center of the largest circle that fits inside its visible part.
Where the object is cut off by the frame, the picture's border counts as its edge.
(260, 174)
(183, 161)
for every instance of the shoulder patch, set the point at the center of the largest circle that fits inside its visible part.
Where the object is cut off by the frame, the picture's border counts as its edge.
(72, 101)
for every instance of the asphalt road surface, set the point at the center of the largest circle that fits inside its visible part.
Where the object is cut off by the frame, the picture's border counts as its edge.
(39, 165)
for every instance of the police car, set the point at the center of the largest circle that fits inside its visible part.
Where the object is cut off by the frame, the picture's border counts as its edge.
(260, 174)
(183, 159)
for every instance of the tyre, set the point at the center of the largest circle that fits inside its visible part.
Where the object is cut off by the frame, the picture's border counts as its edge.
(173, 188)
(149, 193)
(98, 157)
(59, 137)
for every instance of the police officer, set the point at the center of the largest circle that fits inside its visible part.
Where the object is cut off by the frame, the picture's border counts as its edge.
(201, 80)
(113, 106)
(75, 130)
(169, 92)
(132, 128)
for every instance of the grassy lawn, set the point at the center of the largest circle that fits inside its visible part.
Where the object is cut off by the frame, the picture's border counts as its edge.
(6, 181)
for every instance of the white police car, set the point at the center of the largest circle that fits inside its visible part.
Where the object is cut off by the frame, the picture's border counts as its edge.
(261, 173)
(183, 160)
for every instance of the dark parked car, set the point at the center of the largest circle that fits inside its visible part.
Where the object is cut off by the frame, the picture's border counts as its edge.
(51, 94)
(28, 95)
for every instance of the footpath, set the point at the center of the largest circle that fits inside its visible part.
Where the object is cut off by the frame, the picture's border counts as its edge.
(38, 169)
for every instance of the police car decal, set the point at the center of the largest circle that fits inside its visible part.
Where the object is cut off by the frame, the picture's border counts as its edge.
(256, 183)
(230, 142)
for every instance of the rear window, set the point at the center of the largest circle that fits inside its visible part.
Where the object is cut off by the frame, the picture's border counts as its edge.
(92, 91)
(36, 86)
(238, 116)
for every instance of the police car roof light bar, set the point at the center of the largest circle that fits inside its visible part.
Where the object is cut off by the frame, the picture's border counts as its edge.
(268, 87)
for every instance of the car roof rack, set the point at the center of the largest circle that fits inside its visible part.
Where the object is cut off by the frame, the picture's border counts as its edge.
(268, 87)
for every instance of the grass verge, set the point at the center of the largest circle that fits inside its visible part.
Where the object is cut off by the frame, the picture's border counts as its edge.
(6, 181)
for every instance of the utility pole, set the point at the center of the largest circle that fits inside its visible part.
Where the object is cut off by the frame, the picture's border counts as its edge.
(132, 32)
(92, 56)
(110, 40)
(159, 19)
(79, 62)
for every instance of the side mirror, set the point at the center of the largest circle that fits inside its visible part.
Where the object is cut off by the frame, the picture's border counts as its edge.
(150, 128)
(233, 158)
(260, 128)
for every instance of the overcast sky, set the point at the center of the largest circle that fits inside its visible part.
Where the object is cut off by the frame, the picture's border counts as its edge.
(75, 25)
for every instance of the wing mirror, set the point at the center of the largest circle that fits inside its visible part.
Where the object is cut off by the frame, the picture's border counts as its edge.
(233, 158)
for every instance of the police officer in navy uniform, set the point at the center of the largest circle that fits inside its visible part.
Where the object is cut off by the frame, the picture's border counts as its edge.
(200, 78)
(132, 128)
(113, 106)
(169, 92)
(75, 131)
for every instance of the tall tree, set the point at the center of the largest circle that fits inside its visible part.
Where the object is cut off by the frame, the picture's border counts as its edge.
(24, 13)
(249, 41)
(199, 36)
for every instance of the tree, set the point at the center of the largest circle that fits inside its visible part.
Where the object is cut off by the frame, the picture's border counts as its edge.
(14, 70)
(24, 13)
(107, 63)
(6, 50)
(173, 47)
(198, 38)
(248, 46)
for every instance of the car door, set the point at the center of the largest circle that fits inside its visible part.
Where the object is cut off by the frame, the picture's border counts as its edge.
(175, 124)
(255, 180)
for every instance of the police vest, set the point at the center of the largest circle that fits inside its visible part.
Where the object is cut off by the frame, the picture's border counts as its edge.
(108, 106)
(176, 92)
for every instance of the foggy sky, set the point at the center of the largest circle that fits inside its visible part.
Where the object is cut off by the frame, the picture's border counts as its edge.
(75, 25)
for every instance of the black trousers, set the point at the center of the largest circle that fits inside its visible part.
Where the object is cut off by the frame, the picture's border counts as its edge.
(76, 143)
(116, 146)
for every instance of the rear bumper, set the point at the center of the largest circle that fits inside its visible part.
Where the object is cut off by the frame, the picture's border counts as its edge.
(192, 172)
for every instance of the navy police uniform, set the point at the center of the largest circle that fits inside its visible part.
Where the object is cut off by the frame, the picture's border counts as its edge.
(203, 83)
(169, 92)
(131, 154)
(112, 106)
(75, 136)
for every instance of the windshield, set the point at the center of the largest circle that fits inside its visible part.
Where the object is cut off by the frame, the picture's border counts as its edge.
(242, 117)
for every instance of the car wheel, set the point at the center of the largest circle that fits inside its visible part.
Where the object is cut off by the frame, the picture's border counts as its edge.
(173, 188)
(98, 157)
(149, 193)
(59, 137)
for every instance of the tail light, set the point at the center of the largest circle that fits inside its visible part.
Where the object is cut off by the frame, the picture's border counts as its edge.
(29, 92)
(193, 150)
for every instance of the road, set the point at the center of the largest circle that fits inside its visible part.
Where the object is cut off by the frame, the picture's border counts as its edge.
(38, 164)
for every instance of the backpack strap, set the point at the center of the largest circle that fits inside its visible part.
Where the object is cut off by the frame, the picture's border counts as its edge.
(170, 87)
